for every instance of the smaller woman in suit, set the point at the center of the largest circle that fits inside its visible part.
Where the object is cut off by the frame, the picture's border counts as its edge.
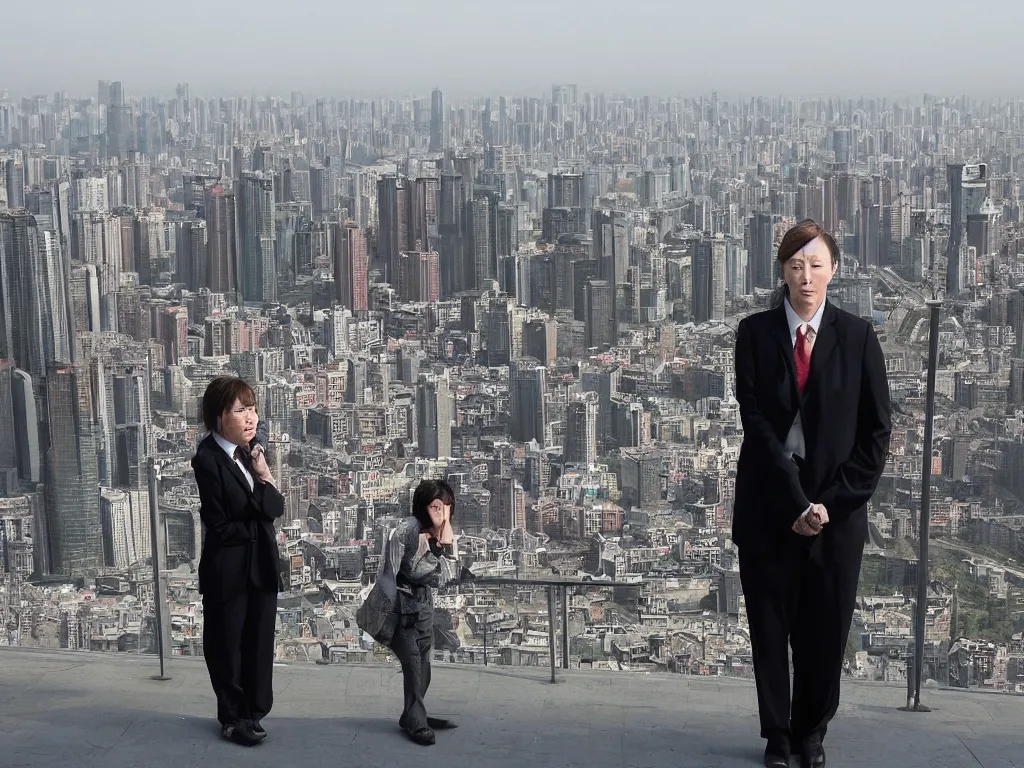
(239, 567)
(427, 558)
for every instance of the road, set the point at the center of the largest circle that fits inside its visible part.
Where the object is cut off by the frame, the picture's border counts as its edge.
(946, 544)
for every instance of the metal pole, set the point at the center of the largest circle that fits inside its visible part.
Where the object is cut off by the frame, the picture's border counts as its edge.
(551, 630)
(926, 492)
(565, 628)
(485, 637)
(155, 540)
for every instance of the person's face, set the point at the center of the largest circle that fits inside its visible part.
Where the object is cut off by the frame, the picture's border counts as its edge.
(808, 273)
(439, 512)
(238, 423)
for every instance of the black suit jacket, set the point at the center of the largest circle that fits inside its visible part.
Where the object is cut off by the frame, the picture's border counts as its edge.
(240, 549)
(845, 414)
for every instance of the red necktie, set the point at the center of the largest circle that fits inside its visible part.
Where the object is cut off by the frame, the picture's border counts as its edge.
(802, 357)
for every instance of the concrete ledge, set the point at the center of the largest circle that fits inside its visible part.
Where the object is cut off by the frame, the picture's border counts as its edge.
(73, 709)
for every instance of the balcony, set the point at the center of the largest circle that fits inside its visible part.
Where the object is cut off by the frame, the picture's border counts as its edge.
(64, 708)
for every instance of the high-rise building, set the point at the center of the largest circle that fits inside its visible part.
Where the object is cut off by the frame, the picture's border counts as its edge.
(762, 251)
(422, 201)
(222, 251)
(601, 325)
(482, 229)
(15, 183)
(351, 267)
(436, 121)
(528, 384)
(125, 418)
(452, 234)
(191, 253)
(540, 340)
(392, 223)
(841, 145)
(26, 430)
(256, 238)
(73, 521)
(565, 190)
(870, 236)
(954, 179)
(709, 257)
(581, 430)
(418, 276)
(435, 410)
(35, 329)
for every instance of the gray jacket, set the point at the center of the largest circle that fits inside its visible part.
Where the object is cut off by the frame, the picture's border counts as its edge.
(421, 567)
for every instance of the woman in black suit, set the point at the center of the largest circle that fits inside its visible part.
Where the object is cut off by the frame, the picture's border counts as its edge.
(239, 568)
(814, 400)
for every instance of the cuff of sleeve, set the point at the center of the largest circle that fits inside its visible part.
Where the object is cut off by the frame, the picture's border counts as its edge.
(803, 514)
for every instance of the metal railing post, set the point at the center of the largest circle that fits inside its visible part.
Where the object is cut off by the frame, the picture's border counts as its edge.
(551, 629)
(565, 627)
(923, 533)
(156, 555)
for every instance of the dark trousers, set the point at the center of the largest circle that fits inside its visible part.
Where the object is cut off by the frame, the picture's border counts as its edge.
(801, 594)
(411, 643)
(238, 644)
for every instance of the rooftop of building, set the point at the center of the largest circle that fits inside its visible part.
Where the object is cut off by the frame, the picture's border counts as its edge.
(62, 708)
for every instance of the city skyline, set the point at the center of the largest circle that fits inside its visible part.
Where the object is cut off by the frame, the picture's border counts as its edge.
(534, 298)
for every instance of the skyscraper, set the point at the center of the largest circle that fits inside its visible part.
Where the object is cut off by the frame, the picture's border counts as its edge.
(451, 231)
(602, 326)
(34, 306)
(392, 229)
(436, 121)
(761, 253)
(954, 178)
(15, 182)
(73, 520)
(435, 409)
(528, 384)
(482, 229)
(256, 238)
(351, 266)
(222, 258)
(581, 430)
(191, 252)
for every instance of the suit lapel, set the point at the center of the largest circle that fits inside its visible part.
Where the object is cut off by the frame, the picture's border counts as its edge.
(825, 343)
(780, 330)
(232, 468)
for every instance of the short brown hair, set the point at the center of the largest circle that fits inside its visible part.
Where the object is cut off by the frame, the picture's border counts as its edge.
(221, 394)
(800, 235)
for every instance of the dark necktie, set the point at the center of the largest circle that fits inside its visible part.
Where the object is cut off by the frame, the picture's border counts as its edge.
(802, 357)
(243, 456)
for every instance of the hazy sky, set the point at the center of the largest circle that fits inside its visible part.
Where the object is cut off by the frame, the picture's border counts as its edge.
(340, 47)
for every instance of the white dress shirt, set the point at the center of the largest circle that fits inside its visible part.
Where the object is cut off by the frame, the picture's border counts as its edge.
(795, 445)
(229, 449)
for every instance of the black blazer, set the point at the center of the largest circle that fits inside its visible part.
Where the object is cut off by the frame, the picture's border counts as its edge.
(240, 550)
(845, 414)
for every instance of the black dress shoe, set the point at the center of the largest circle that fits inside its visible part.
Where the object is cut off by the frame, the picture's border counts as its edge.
(422, 736)
(776, 753)
(812, 754)
(240, 733)
(441, 723)
(258, 730)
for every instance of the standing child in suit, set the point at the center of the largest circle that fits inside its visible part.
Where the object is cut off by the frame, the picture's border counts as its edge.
(239, 568)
